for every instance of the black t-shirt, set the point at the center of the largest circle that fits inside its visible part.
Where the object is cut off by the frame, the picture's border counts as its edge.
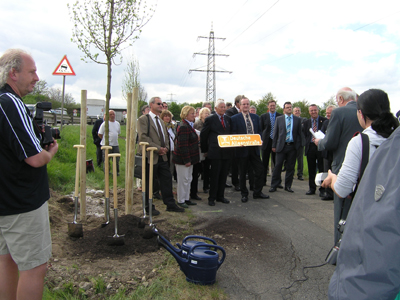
(22, 187)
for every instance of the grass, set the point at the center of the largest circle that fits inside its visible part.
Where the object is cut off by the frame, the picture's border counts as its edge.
(62, 167)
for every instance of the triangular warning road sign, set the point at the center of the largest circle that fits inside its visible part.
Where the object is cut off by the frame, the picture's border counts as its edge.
(64, 68)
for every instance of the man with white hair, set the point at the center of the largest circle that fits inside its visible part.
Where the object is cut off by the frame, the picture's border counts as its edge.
(25, 240)
(214, 125)
(342, 126)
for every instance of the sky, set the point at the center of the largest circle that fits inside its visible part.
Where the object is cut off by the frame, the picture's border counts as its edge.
(296, 50)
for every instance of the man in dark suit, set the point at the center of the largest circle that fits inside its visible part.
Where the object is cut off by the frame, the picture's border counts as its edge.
(300, 152)
(153, 131)
(234, 110)
(214, 125)
(247, 123)
(267, 122)
(97, 140)
(286, 142)
(327, 155)
(342, 126)
(314, 157)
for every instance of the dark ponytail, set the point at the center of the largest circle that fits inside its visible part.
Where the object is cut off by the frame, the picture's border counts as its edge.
(374, 105)
(385, 124)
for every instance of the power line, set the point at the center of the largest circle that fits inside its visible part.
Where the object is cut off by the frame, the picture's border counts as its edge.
(252, 23)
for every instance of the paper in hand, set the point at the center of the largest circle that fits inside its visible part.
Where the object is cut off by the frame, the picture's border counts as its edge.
(318, 135)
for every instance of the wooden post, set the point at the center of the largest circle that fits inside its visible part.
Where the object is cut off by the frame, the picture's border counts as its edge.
(132, 150)
(83, 155)
(128, 187)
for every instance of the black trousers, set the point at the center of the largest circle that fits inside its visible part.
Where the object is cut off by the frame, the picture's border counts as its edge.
(206, 173)
(162, 172)
(266, 153)
(234, 167)
(314, 158)
(254, 161)
(288, 154)
(195, 179)
(219, 172)
(99, 155)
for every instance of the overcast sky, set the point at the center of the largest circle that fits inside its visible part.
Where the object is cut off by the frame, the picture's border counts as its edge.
(294, 49)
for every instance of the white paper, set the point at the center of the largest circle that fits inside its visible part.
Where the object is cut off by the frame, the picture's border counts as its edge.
(318, 135)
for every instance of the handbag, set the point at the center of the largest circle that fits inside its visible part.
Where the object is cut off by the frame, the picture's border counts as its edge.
(138, 167)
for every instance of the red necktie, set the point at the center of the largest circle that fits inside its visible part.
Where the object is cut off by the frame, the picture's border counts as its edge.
(314, 129)
(222, 121)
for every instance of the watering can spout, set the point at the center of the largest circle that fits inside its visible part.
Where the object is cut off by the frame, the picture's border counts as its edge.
(175, 252)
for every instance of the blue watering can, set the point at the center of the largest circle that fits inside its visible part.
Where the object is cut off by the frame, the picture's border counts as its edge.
(188, 243)
(201, 261)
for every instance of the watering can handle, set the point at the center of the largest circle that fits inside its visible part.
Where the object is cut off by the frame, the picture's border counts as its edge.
(211, 246)
(198, 237)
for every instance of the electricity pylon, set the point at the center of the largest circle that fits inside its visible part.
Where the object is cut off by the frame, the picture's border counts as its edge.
(210, 83)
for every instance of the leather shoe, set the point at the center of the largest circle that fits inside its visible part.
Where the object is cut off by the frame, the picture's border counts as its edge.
(260, 196)
(228, 185)
(288, 189)
(195, 197)
(326, 198)
(154, 211)
(310, 192)
(237, 188)
(175, 208)
(224, 200)
(211, 202)
(245, 199)
(300, 178)
(280, 186)
(271, 190)
(188, 202)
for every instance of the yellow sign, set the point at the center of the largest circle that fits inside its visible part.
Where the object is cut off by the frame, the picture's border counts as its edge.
(237, 140)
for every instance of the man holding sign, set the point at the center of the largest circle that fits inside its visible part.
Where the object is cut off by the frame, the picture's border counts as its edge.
(248, 123)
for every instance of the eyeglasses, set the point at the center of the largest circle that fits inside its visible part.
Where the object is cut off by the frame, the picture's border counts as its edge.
(159, 103)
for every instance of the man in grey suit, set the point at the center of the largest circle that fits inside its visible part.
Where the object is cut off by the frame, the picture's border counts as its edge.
(342, 126)
(153, 131)
(286, 142)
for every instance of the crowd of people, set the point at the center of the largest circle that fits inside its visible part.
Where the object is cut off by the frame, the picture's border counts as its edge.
(189, 150)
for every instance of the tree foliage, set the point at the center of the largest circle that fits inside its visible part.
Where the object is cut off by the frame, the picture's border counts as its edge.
(132, 80)
(103, 28)
(43, 93)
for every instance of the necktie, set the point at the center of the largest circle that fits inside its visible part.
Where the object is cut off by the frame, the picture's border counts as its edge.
(272, 119)
(248, 125)
(222, 121)
(160, 133)
(288, 127)
(314, 128)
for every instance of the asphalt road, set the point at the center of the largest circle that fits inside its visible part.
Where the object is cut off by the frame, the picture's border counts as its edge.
(283, 236)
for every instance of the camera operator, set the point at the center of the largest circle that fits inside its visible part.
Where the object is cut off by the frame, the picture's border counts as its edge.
(25, 241)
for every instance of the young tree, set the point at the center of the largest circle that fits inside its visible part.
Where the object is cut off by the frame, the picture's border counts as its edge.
(108, 26)
(132, 80)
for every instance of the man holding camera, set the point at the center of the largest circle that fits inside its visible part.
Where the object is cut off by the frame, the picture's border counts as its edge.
(25, 241)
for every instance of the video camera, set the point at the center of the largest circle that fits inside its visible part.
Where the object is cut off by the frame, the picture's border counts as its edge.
(47, 133)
